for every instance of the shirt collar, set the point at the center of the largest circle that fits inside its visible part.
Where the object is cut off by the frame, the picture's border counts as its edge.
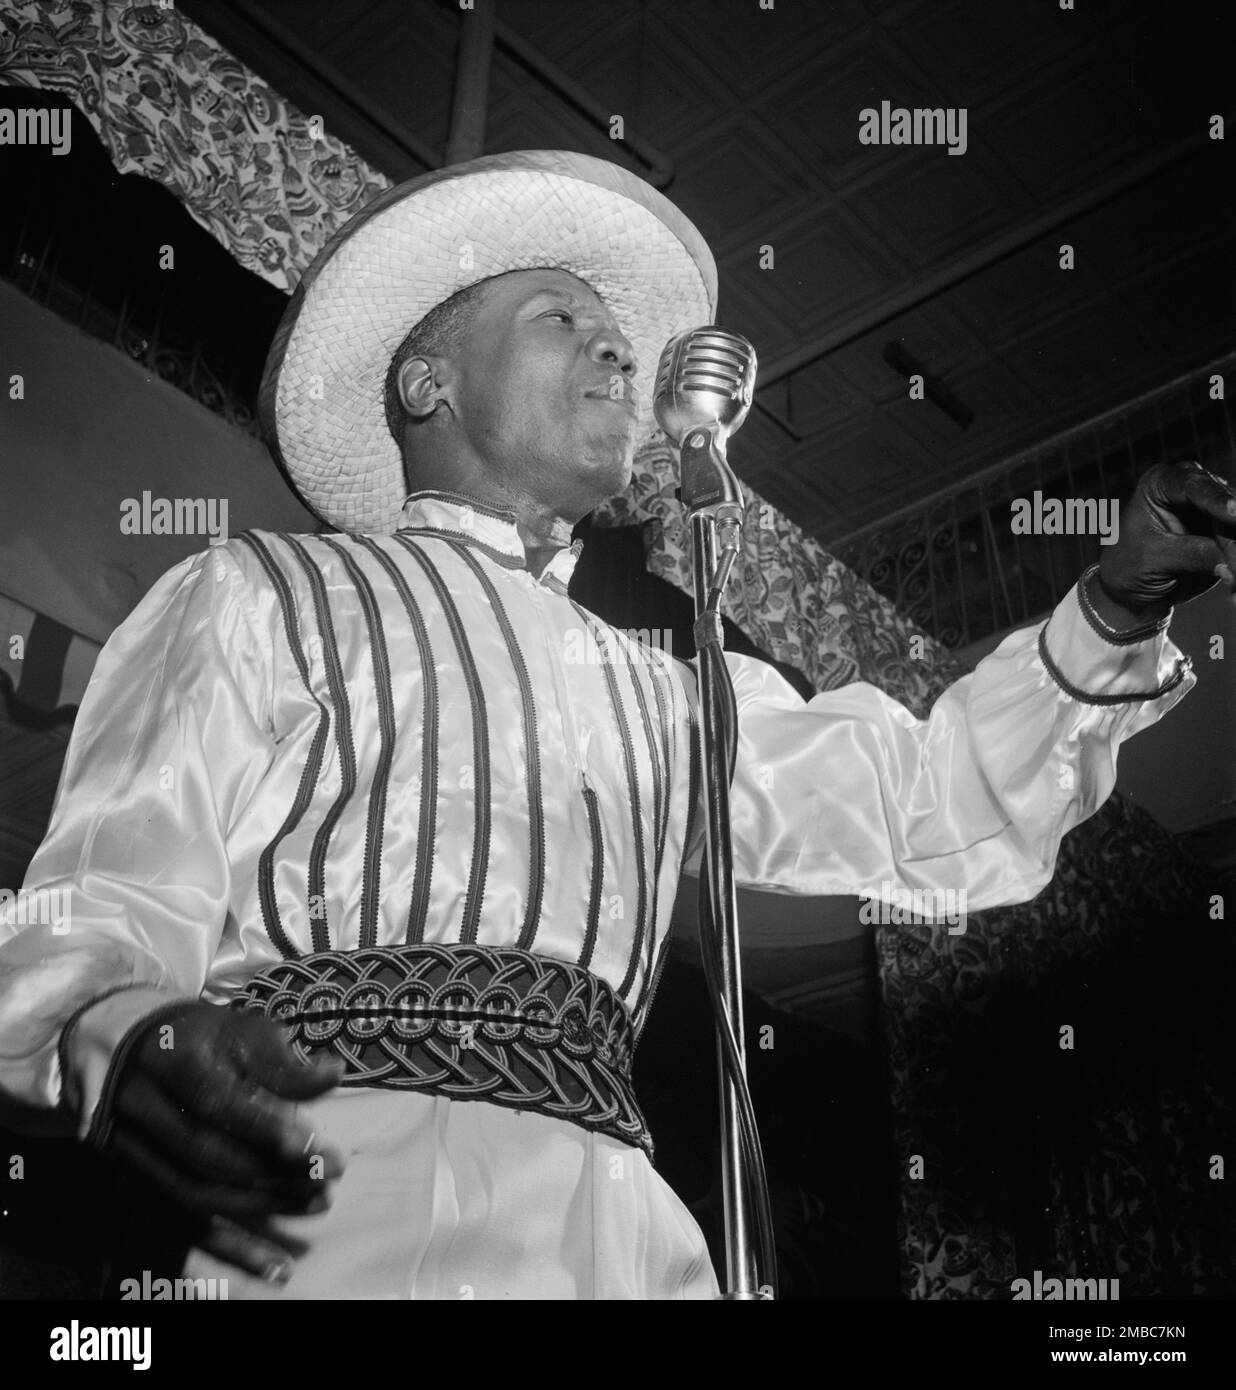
(483, 523)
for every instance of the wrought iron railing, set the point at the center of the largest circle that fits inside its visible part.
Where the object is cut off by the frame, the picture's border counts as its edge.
(180, 363)
(51, 250)
(953, 564)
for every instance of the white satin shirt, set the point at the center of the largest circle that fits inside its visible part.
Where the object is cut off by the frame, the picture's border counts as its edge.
(301, 742)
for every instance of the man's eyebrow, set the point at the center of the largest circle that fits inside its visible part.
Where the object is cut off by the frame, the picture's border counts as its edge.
(555, 292)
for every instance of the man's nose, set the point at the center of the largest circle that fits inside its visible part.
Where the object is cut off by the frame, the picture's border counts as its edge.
(609, 346)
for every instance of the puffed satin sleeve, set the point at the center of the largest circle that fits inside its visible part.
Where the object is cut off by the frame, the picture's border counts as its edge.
(170, 740)
(848, 792)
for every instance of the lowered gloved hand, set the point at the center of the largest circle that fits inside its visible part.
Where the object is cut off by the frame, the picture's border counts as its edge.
(211, 1122)
(1177, 540)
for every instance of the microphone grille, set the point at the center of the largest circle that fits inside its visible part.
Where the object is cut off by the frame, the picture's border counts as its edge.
(707, 359)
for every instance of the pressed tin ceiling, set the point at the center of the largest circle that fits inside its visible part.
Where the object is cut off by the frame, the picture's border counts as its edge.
(1087, 126)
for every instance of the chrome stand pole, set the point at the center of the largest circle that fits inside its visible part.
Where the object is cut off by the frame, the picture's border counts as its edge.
(741, 1273)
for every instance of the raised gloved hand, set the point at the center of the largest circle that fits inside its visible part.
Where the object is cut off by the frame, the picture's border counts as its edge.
(210, 1120)
(1177, 540)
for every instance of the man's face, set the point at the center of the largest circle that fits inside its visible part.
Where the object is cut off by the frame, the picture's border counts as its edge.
(544, 393)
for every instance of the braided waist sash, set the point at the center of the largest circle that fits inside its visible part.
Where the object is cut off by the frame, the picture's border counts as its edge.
(467, 1022)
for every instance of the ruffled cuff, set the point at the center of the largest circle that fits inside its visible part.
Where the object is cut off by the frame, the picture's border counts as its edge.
(1093, 670)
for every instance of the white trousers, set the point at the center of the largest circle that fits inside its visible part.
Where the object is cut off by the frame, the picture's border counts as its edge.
(465, 1200)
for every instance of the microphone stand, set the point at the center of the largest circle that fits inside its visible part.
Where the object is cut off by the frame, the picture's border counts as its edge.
(711, 494)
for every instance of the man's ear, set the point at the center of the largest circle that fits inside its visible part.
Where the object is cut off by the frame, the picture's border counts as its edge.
(423, 383)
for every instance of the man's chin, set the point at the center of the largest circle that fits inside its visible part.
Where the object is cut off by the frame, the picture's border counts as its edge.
(610, 477)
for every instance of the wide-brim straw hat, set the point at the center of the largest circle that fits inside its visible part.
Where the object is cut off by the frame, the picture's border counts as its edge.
(322, 399)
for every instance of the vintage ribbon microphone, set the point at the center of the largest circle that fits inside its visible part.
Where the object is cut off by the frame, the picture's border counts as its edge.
(703, 391)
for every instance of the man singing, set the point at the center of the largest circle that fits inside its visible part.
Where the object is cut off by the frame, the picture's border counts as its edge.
(352, 786)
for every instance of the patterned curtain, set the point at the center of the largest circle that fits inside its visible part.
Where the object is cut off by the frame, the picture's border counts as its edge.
(1031, 1157)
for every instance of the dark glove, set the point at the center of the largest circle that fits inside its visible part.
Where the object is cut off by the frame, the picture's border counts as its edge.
(210, 1120)
(1177, 540)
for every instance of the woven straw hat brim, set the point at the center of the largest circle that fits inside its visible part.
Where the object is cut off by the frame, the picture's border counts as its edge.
(322, 396)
